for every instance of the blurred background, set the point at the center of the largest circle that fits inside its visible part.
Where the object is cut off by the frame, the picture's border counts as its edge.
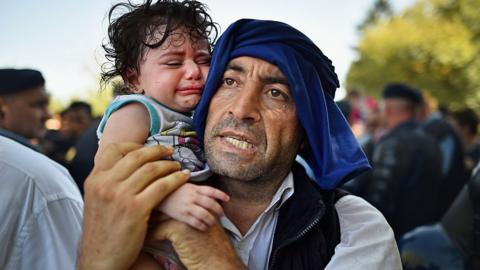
(63, 40)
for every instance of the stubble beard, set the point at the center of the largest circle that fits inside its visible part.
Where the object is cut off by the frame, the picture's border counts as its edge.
(256, 180)
(230, 165)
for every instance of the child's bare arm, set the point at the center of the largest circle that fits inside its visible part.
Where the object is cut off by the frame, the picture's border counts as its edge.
(130, 123)
(195, 205)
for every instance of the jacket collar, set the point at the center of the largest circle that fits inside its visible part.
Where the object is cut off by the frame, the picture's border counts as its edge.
(308, 203)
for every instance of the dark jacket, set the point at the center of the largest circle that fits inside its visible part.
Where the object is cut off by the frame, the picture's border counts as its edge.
(454, 173)
(308, 229)
(405, 178)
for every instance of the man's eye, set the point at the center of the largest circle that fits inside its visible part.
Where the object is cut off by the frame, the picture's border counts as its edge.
(275, 93)
(278, 94)
(229, 81)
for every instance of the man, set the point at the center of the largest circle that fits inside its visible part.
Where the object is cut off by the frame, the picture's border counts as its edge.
(75, 120)
(466, 121)
(454, 174)
(406, 164)
(269, 96)
(24, 104)
(40, 206)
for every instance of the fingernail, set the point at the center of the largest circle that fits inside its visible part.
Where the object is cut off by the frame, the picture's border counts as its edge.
(185, 171)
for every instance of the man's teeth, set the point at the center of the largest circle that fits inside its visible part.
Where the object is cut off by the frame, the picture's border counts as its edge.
(239, 143)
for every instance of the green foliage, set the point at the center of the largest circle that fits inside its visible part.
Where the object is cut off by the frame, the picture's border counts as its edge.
(432, 46)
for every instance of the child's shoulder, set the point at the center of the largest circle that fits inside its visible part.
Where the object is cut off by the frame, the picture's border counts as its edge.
(122, 99)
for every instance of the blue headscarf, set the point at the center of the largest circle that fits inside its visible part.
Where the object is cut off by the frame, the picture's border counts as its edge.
(334, 154)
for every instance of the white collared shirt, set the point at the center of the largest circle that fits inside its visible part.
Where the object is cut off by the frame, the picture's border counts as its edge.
(255, 246)
(40, 211)
(366, 242)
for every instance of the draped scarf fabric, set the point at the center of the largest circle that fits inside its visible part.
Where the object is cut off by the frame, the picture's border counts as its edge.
(333, 152)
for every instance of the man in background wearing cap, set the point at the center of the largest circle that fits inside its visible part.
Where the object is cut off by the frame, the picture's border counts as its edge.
(406, 164)
(268, 97)
(23, 104)
(40, 205)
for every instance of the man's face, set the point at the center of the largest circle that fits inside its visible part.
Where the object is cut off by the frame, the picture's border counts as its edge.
(25, 113)
(75, 122)
(252, 130)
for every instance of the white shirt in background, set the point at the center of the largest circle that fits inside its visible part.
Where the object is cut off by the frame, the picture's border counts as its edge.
(40, 211)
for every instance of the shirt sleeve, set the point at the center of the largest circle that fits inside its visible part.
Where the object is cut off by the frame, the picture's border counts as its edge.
(51, 237)
(367, 241)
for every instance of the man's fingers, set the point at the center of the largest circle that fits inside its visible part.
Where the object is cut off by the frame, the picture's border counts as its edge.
(133, 160)
(157, 191)
(112, 154)
(150, 172)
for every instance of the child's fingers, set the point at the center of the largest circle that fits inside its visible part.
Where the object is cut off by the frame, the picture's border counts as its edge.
(202, 215)
(209, 204)
(195, 223)
(213, 193)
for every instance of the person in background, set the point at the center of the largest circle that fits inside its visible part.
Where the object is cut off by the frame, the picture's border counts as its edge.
(454, 174)
(40, 205)
(75, 119)
(406, 163)
(454, 242)
(466, 123)
(24, 105)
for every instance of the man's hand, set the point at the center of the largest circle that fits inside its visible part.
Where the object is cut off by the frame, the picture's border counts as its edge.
(199, 250)
(126, 184)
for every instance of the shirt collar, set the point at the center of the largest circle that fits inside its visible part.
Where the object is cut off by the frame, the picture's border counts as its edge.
(284, 192)
(18, 138)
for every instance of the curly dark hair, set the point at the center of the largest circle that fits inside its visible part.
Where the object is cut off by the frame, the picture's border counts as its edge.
(135, 29)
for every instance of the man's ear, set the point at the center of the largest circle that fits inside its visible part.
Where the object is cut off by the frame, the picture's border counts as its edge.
(132, 82)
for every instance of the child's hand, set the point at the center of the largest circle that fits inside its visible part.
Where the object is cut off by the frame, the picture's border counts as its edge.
(194, 205)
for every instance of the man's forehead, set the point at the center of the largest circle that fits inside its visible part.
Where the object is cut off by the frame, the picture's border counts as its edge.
(248, 64)
(36, 94)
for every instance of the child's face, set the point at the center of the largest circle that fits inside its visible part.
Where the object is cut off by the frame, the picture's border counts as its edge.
(174, 74)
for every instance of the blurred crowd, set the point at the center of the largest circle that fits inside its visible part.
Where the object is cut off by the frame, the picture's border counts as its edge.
(424, 177)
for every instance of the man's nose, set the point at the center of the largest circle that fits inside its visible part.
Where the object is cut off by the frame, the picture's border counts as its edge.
(247, 105)
(192, 70)
(46, 114)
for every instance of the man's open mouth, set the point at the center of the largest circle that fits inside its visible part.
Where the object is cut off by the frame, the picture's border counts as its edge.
(239, 142)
